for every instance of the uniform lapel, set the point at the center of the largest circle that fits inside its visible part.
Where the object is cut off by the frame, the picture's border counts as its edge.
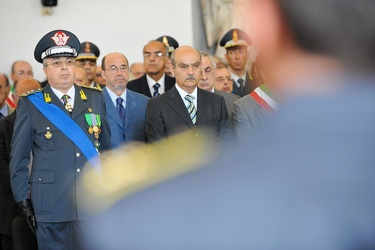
(47, 91)
(177, 104)
(80, 105)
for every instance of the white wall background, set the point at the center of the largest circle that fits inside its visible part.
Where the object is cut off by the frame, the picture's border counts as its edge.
(113, 25)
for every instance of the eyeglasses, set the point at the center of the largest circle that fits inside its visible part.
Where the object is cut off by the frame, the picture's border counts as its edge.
(59, 63)
(113, 69)
(222, 79)
(156, 54)
(22, 73)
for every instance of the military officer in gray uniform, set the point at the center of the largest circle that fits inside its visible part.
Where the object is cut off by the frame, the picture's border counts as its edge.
(62, 126)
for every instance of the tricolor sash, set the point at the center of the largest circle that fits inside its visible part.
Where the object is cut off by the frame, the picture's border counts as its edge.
(262, 97)
(67, 126)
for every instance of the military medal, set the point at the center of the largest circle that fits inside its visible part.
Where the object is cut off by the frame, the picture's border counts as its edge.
(89, 122)
(94, 123)
(48, 135)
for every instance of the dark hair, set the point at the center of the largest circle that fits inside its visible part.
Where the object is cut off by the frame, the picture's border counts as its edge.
(340, 28)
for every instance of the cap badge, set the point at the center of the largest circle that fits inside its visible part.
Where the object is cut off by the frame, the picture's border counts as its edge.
(60, 38)
(235, 36)
(87, 48)
(165, 41)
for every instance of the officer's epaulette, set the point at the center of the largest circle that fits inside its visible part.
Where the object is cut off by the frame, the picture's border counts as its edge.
(31, 92)
(142, 166)
(89, 87)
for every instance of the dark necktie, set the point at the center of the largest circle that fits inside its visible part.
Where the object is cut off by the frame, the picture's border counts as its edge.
(1, 115)
(68, 106)
(241, 82)
(156, 89)
(120, 109)
(191, 108)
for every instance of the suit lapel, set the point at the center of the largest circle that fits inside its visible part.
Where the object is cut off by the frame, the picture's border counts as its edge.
(202, 106)
(111, 109)
(10, 123)
(178, 105)
(144, 86)
(131, 108)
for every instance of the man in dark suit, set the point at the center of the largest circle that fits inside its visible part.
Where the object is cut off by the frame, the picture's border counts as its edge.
(207, 80)
(126, 109)
(8, 211)
(64, 126)
(236, 43)
(186, 107)
(155, 81)
(308, 181)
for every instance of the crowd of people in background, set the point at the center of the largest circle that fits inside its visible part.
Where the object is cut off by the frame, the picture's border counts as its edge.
(53, 133)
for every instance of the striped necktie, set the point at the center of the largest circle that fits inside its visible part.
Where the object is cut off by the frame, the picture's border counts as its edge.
(191, 108)
(156, 89)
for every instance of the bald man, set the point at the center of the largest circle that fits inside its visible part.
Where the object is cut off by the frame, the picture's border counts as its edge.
(6, 130)
(81, 76)
(185, 106)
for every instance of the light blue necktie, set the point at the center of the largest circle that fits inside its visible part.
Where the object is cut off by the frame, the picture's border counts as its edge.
(191, 108)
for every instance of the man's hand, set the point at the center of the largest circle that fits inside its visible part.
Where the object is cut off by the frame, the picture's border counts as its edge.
(27, 215)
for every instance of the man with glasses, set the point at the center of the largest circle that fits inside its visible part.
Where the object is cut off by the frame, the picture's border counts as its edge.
(126, 109)
(236, 43)
(20, 69)
(64, 126)
(186, 107)
(155, 81)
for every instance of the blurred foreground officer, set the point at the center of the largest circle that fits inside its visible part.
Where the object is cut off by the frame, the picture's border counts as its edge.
(236, 43)
(185, 106)
(308, 181)
(64, 126)
(126, 109)
(8, 211)
(89, 54)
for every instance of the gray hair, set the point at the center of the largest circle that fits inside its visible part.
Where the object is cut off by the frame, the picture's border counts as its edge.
(205, 54)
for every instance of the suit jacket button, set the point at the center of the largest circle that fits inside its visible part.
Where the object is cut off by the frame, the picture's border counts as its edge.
(78, 154)
(78, 170)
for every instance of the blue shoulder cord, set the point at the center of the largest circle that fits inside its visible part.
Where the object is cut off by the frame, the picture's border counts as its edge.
(67, 126)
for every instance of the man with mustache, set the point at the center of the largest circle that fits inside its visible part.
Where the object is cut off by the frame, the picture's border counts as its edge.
(126, 109)
(185, 106)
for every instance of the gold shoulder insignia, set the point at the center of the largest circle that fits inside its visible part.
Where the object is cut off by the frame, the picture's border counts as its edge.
(31, 92)
(89, 87)
(126, 173)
